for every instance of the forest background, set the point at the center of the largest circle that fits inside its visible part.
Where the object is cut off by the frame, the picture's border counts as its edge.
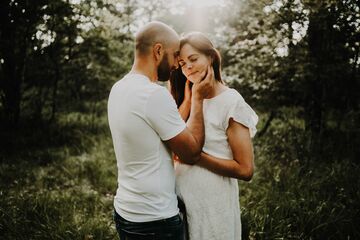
(296, 62)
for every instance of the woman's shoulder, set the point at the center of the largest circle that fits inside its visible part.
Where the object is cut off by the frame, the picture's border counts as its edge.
(232, 96)
(241, 112)
(226, 100)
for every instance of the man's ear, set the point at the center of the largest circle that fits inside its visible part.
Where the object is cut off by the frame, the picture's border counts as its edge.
(158, 51)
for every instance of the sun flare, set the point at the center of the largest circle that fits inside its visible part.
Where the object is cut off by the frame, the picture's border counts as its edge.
(204, 3)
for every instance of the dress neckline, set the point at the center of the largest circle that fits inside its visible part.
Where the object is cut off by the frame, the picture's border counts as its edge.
(219, 95)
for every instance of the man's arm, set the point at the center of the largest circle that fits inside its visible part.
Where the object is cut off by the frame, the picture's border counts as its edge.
(188, 144)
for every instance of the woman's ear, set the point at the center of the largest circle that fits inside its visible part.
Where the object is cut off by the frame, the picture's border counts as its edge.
(211, 60)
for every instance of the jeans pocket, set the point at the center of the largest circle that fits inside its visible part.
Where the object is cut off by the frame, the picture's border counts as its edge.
(173, 232)
(129, 235)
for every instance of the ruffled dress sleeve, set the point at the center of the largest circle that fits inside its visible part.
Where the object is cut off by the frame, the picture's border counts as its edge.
(242, 113)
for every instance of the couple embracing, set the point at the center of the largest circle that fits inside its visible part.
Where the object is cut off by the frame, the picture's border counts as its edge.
(188, 145)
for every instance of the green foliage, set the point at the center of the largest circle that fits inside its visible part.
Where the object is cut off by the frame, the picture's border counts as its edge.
(72, 53)
(302, 55)
(289, 199)
(66, 191)
(57, 214)
(295, 62)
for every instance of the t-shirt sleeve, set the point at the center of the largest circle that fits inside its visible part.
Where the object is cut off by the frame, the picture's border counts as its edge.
(242, 113)
(162, 114)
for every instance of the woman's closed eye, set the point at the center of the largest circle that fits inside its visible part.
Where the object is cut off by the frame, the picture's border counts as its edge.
(182, 63)
(193, 59)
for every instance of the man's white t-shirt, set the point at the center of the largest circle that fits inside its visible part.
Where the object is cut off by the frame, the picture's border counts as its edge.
(141, 116)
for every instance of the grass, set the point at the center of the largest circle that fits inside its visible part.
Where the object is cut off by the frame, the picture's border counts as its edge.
(290, 204)
(58, 182)
(61, 188)
(288, 199)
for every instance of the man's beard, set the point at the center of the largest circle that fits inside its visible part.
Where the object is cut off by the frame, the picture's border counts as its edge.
(163, 70)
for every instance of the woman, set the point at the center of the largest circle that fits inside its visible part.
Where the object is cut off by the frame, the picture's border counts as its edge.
(209, 189)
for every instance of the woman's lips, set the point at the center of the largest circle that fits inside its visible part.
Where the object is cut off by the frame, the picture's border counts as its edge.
(192, 73)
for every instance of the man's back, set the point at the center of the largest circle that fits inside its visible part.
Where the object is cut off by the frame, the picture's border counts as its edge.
(142, 114)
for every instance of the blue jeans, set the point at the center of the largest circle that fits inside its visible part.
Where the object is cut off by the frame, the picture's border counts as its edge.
(164, 229)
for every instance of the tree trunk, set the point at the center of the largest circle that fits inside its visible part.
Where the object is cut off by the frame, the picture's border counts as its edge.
(11, 85)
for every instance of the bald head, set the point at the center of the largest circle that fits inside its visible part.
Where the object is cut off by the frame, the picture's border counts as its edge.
(152, 33)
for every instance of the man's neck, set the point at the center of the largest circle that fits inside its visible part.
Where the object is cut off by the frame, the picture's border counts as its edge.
(145, 68)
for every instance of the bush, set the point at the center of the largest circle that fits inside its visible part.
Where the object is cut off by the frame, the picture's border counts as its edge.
(290, 198)
(59, 189)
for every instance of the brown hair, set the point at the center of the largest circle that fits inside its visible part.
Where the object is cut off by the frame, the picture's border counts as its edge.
(202, 44)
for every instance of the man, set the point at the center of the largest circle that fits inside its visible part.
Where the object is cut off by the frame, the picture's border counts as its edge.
(145, 127)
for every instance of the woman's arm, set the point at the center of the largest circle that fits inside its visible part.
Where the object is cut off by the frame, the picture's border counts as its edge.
(242, 166)
(184, 109)
(185, 106)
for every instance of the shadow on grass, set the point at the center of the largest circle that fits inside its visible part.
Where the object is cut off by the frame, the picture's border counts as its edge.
(38, 143)
(56, 180)
(33, 144)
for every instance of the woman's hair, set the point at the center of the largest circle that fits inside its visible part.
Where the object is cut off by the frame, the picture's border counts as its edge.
(177, 83)
(202, 44)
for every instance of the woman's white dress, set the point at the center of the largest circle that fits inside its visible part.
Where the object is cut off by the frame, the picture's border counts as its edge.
(211, 200)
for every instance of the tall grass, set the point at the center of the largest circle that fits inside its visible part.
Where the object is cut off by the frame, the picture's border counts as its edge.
(293, 198)
(60, 188)
(58, 182)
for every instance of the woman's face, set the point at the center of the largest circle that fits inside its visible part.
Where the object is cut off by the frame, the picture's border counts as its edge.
(193, 63)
